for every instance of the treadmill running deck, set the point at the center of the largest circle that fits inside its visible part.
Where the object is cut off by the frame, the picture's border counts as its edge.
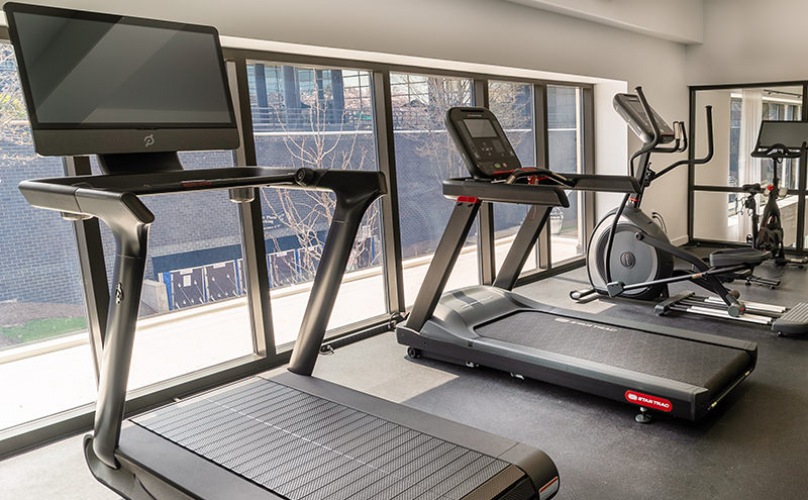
(696, 363)
(305, 447)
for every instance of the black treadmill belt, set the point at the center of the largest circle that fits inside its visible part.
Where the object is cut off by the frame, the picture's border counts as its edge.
(696, 363)
(305, 447)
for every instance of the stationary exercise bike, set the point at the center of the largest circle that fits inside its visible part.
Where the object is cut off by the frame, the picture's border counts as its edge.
(750, 205)
(777, 141)
(630, 256)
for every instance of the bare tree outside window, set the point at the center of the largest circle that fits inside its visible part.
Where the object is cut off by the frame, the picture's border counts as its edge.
(323, 121)
(15, 134)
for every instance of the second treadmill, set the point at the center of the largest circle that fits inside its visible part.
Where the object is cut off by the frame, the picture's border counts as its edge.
(659, 369)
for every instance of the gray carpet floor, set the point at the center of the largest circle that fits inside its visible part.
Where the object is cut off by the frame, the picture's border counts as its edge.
(754, 447)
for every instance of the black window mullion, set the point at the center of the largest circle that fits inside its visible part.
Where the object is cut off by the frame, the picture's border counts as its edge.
(543, 255)
(589, 162)
(252, 229)
(486, 258)
(691, 172)
(801, 182)
(381, 93)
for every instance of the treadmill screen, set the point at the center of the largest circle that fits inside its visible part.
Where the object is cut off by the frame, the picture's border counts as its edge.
(99, 83)
(480, 128)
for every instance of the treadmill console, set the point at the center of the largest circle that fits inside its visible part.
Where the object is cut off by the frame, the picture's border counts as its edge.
(482, 142)
(630, 108)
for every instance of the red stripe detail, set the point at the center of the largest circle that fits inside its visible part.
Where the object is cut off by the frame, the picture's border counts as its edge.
(467, 199)
(552, 482)
(195, 184)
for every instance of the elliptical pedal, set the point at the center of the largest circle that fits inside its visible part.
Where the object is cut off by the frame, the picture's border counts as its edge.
(793, 322)
(689, 302)
(784, 321)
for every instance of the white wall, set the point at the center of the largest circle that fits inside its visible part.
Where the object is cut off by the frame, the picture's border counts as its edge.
(479, 32)
(750, 41)
(679, 21)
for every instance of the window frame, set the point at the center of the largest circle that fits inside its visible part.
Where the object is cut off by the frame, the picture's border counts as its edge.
(695, 116)
(266, 355)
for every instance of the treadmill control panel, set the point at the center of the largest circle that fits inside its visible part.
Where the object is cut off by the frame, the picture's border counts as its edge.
(482, 142)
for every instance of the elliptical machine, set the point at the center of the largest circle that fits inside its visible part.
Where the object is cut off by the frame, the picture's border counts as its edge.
(630, 256)
(777, 141)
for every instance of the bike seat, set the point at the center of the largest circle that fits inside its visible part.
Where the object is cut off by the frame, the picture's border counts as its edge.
(752, 188)
(738, 256)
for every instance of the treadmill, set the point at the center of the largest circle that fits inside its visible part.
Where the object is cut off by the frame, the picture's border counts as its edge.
(285, 437)
(660, 370)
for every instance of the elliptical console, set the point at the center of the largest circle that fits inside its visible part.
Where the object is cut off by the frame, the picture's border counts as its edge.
(631, 109)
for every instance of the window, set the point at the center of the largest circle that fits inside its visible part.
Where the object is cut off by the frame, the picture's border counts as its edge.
(565, 151)
(194, 312)
(316, 118)
(425, 157)
(43, 326)
(512, 103)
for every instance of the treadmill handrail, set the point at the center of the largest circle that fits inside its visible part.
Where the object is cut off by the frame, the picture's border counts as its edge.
(603, 183)
(550, 194)
(114, 200)
(468, 193)
(58, 193)
(486, 190)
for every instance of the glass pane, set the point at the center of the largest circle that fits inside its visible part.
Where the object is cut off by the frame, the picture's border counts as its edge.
(45, 360)
(193, 312)
(425, 157)
(737, 114)
(735, 224)
(512, 103)
(316, 118)
(565, 149)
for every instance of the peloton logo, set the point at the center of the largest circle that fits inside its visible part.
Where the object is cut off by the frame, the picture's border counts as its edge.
(652, 402)
(148, 141)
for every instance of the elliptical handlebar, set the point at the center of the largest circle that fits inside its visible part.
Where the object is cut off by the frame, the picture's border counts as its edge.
(680, 140)
(710, 147)
(679, 133)
(649, 125)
